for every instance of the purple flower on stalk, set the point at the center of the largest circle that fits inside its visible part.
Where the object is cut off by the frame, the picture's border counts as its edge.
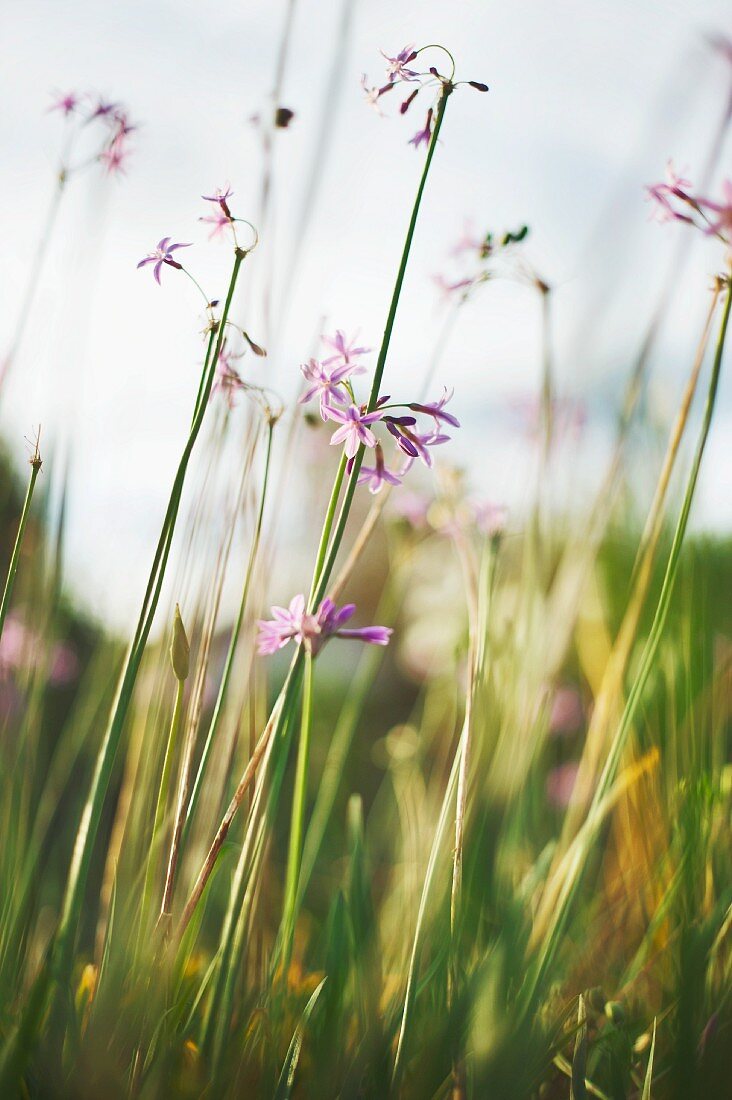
(422, 137)
(162, 254)
(66, 103)
(220, 197)
(436, 409)
(343, 347)
(104, 109)
(377, 476)
(374, 94)
(396, 68)
(314, 630)
(113, 158)
(722, 227)
(355, 428)
(228, 381)
(673, 187)
(219, 220)
(328, 384)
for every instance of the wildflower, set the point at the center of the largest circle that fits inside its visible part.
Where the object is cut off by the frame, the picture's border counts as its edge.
(328, 384)
(412, 508)
(377, 476)
(162, 254)
(66, 103)
(228, 380)
(674, 187)
(344, 349)
(113, 158)
(422, 137)
(374, 94)
(449, 289)
(436, 409)
(415, 444)
(220, 197)
(355, 428)
(314, 630)
(219, 220)
(104, 109)
(397, 66)
(489, 518)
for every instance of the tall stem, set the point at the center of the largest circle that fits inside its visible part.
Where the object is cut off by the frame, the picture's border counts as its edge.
(15, 556)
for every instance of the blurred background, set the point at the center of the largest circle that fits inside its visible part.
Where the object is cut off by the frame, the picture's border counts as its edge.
(586, 104)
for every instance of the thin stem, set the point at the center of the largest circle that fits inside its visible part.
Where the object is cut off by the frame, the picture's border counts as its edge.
(233, 643)
(297, 823)
(162, 802)
(15, 556)
(569, 889)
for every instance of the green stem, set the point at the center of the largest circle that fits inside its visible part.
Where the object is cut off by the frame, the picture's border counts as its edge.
(297, 823)
(327, 529)
(162, 803)
(15, 556)
(610, 770)
(62, 953)
(233, 642)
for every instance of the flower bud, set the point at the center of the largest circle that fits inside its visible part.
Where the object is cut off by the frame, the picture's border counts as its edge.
(180, 651)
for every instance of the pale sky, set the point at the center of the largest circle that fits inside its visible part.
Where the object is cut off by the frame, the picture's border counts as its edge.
(587, 102)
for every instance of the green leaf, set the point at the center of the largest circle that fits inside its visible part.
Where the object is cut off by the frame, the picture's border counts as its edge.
(287, 1076)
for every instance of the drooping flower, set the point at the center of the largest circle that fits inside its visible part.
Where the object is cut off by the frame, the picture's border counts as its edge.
(162, 254)
(219, 220)
(396, 68)
(220, 197)
(327, 384)
(722, 225)
(662, 194)
(314, 630)
(436, 409)
(355, 428)
(377, 476)
(227, 381)
(422, 137)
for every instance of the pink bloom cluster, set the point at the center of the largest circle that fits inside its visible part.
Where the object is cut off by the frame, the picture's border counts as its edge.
(330, 381)
(674, 201)
(399, 70)
(484, 254)
(313, 629)
(113, 117)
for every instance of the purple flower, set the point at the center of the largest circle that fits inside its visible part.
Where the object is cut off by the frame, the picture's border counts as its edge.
(345, 352)
(377, 476)
(113, 158)
(355, 428)
(662, 194)
(373, 94)
(328, 384)
(416, 444)
(422, 137)
(314, 630)
(104, 109)
(396, 66)
(435, 409)
(162, 254)
(66, 103)
(220, 197)
(489, 518)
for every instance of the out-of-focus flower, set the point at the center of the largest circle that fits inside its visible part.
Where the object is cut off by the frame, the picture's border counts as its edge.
(422, 137)
(722, 226)
(113, 158)
(345, 352)
(355, 428)
(103, 109)
(489, 517)
(560, 785)
(326, 383)
(396, 68)
(314, 630)
(227, 379)
(567, 713)
(412, 508)
(23, 649)
(219, 221)
(673, 187)
(68, 102)
(162, 254)
(377, 476)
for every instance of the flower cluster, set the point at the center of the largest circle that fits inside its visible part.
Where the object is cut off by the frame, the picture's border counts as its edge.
(113, 120)
(313, 629)
(400, 70)
(674, 201)
(329, 380)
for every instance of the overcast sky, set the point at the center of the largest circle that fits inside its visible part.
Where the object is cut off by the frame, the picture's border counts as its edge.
(587, 101)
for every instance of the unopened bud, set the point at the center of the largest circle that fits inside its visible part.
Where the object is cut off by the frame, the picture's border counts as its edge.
(180, 651)
(255, 347)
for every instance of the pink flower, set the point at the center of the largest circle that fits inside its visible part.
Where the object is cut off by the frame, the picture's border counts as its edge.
(66, 103)
(722, 227)
(377, 476)
(113, 158)
(355, 428)
(228, 380)
(219, 220)
(567, 714)
(489, 518)
(436, 409)
(162, 254)
(287, 624)
(560, 785)
(345, 352)
(327, 384)
(662, 194)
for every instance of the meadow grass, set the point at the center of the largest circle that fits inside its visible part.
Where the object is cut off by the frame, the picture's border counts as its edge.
(506, 874)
